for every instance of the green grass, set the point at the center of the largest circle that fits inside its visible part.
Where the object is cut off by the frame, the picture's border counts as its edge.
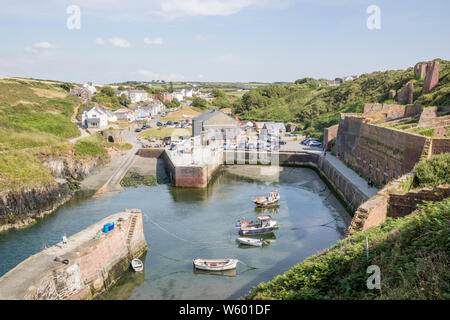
(19, 169)
(411, 252)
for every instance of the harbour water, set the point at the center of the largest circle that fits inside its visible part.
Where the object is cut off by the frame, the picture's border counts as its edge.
(182, 224)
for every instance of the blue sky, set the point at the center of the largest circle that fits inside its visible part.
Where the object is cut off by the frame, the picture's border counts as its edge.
(217, 40)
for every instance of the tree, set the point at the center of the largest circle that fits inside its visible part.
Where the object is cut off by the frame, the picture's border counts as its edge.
(170, 87)
(66, 86)
(123, 100)
(108, 91)
(217, 93)
(199, 103)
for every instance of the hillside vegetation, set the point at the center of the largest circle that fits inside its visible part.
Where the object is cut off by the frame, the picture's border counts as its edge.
(313, 105)
(36, 119)
(411, 252)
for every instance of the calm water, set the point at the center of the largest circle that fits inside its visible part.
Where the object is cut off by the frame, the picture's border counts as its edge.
(182, 224)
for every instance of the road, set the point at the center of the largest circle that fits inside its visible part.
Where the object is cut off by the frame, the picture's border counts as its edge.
(113, 183)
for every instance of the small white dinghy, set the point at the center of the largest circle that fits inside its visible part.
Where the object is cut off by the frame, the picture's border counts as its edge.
(251, 242)
(215, 264)
(137, 265)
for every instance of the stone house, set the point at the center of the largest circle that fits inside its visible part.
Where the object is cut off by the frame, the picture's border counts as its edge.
(134, 96)
(214, 125)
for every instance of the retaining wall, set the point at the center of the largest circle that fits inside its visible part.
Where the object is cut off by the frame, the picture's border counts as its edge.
(95, 261)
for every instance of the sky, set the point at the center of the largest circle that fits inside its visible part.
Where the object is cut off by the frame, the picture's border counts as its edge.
(110, 41)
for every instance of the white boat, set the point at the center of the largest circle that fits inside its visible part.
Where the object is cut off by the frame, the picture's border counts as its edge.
(264, 225)
(215, 264)
(251, 241)
(137, 265)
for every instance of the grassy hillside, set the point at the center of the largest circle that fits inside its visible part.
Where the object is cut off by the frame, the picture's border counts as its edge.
(411, 252)
(314, 105)
(35, 119)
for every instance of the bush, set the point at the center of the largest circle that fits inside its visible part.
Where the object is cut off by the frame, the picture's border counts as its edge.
(434, 171)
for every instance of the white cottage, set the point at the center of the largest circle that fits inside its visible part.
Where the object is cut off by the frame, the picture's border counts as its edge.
(97, 117)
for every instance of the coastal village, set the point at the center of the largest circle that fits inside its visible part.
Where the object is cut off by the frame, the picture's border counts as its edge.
(368, 160)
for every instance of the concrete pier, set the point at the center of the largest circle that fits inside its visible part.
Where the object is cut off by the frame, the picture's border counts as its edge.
(88, 265)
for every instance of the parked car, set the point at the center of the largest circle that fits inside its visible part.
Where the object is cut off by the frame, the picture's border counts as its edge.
(159, 124)
(167, 140)
(315, 144)
(138, 130)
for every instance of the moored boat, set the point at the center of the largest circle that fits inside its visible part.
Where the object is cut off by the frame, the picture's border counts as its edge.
(251, 242)
(215, 264)
(264, 225)
(271, 200)
(137, 265)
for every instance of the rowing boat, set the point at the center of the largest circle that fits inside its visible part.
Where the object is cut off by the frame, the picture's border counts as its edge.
(215, 264)
(251, 242)
(137, 265)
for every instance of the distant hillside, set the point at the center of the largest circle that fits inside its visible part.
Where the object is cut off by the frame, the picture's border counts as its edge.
(313, 105)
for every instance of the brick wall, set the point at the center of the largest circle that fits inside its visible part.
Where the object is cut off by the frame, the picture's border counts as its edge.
(401, 205)
(380, 153)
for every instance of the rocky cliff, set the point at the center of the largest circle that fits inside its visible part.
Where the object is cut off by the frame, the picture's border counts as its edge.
(21, 208)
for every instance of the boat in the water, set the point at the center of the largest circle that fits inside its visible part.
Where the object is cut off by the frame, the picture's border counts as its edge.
(215, 264)
(271, 200)
(265, 224)
(137, 265)
(251, 242)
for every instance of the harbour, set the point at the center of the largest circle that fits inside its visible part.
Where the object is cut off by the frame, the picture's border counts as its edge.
(181, 224)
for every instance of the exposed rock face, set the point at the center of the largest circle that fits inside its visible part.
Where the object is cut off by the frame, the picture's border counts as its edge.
(406, 94)
(432, 76)
(67, 167)
(19, 209)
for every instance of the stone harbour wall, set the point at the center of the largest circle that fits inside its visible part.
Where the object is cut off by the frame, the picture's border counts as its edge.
(88, 265)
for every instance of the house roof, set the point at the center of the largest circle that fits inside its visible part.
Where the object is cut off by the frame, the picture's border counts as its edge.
(209, 114)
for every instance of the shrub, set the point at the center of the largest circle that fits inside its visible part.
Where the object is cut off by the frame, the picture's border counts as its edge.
(434, 171)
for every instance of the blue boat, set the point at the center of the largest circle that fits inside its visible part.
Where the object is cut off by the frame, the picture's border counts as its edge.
(264, 225)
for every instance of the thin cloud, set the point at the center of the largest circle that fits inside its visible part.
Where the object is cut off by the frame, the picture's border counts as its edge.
(99, 41)
(121, 43)
(157, 41)
(39, 47)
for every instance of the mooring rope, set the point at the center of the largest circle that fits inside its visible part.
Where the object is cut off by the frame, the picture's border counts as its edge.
(249, 266)
(199, 243)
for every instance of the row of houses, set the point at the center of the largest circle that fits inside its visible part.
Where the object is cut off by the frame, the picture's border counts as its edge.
(339, 81)
(136, 96)
(99, 118)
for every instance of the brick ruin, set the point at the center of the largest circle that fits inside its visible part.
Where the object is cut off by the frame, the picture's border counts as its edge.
(432, 76)
(406, 94)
